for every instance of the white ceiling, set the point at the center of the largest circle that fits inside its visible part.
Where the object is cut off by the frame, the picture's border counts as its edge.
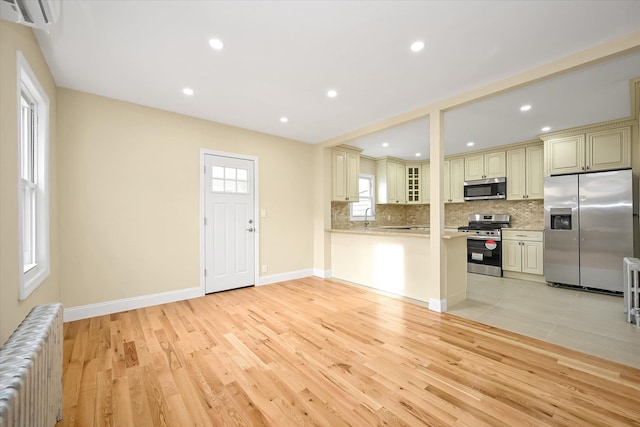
(592, 94)
(281, 57)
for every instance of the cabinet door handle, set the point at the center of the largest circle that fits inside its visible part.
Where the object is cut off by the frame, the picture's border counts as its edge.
(587, 167)
(583, 168)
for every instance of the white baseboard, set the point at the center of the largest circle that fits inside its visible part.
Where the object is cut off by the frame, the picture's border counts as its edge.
(324, 274)
(283, 277)
(115, 306)
(439, 305)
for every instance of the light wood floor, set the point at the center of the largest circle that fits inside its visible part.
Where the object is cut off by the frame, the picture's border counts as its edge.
(319, 353)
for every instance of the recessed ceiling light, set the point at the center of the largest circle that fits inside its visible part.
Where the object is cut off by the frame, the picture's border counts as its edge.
(470, 144)
(332, 93)
(385, 144)
(417, 46)
(546, 128)
(284, 119)
(525, 108)
(216, 44)
(418, 154)
(187, 91)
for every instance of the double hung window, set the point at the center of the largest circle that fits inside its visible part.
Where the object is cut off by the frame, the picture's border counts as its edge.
(33, 176)
(366, 201)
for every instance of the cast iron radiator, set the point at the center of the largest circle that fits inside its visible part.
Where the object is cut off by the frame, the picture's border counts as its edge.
(31, 370)
(631, 286)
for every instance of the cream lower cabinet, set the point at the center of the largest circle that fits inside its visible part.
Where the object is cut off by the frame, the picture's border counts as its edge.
(346, 175)
(522, 251)
(608, 149)
(454, 181)
(525, 173)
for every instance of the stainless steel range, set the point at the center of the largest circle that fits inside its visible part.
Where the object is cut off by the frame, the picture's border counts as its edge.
(484, 243)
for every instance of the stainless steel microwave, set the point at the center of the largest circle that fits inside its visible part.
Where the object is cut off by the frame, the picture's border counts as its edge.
(486, 189)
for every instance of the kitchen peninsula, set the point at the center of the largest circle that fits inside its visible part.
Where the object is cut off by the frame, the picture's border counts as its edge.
(398, 260)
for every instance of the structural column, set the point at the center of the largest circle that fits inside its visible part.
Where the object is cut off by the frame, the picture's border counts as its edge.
(436, 156)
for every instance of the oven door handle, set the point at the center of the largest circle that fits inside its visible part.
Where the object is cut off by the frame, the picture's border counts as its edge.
(497, 239)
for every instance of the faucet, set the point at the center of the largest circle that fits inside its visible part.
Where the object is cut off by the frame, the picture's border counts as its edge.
(366, 223)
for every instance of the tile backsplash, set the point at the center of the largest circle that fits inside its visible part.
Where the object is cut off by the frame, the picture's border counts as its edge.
(524, 213)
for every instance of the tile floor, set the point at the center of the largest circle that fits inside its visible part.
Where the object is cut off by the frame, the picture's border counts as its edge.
(584, 321)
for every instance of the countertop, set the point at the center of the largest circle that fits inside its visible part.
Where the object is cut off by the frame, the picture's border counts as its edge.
(416, 231)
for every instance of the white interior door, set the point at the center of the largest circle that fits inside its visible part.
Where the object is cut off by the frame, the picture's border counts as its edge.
(230, 229)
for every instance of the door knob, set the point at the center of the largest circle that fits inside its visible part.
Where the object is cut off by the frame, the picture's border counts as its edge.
(250, 229)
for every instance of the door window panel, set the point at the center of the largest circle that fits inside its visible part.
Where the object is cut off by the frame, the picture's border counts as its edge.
(229, 180)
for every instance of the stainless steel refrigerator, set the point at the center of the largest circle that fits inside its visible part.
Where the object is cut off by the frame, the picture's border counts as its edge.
(588, 228)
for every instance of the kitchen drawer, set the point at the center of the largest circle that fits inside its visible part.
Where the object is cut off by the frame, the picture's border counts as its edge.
(530, 236)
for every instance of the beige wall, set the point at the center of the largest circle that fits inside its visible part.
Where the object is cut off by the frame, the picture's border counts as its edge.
(129, 199)
(129, 205)
(13, 38)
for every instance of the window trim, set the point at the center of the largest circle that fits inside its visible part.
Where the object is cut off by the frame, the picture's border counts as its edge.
(372, 178)
(28, 281)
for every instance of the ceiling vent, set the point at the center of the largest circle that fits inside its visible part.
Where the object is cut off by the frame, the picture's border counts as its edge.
(41, 14)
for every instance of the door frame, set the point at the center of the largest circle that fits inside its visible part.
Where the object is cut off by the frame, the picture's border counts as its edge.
(256, 207)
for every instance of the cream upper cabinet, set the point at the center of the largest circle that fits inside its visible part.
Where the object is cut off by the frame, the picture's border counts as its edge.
(414, 181)
(391, 181)
(490, 165)
(525, 173)
(565, 155)
(534, 172)
(454, 181)
(346, 173)
(426, 183)
(417, 183)
(608, 149)
(592, 151)
(474, 167)
(522, 251)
